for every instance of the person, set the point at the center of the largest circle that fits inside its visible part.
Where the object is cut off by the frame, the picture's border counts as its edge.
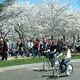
(20, 50)
(41, 48)
(28, 48)
(49, 43)
(44, 44)
(34, 43)
(5, 49)
(1, 46)
(17, 48)
(31, 48)
(36, 48)
(51, 51)
(53, 47)
(67, 56)
(59, 50)
(8, 52)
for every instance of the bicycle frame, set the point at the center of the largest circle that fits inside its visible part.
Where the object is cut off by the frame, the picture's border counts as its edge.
(57, 69)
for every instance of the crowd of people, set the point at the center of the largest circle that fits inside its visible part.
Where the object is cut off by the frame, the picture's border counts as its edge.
(29, 48)
(33, 47)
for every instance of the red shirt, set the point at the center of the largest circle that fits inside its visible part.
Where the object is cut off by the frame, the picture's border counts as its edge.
(37, 44)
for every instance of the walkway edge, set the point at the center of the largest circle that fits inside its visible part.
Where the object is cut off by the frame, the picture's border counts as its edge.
(27, 66)
(20, 66)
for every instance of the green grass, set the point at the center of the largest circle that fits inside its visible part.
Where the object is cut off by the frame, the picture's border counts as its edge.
(75, 51)
(26, 61)
(21, 61)
(76, 57)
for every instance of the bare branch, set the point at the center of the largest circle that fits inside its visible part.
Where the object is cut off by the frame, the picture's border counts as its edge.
(5, 35)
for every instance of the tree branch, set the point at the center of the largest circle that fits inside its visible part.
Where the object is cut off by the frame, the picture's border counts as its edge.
(18, 33)
(5, 35)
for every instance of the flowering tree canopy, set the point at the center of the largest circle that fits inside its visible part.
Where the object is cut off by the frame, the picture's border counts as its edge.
(25, 20)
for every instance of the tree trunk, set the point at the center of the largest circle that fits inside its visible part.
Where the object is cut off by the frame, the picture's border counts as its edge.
(74, 39)
(63, 38)
(78, 38)
(51, 37)
(25, 49)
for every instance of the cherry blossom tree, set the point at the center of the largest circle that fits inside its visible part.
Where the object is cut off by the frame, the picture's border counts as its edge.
(25, 20)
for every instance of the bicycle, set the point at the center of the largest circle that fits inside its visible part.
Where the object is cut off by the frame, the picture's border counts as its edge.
(58, 70)
(47, 64)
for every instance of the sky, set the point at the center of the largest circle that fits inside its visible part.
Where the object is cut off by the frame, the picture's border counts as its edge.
(75, 4)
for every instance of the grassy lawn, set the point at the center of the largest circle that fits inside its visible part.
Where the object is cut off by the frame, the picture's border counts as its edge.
(21, 61)
(75, 52)
(27, 61)
(76, 57)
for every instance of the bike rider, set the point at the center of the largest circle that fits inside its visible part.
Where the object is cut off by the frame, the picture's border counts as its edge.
(52, 51)
(67, 56)
(59, 50)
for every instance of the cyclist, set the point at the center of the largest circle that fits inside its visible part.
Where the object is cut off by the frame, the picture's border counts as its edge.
(67, 56)
(51, 53)
(59, 50)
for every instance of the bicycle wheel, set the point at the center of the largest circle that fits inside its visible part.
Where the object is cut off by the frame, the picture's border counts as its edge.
(56, 70)
(46, 66)
(69, 70)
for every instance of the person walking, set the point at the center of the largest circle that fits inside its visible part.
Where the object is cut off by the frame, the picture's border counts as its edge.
(36, 48)
(4, 52)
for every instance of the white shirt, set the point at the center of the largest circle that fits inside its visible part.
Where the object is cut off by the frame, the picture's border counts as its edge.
(31, 44)
(67, 53)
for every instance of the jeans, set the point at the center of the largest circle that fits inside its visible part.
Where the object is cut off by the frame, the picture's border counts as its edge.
(54, 56)
(19, 52)
(31, 51)
(35, 53)
(65, 61)
(8, 55)
(50, 56)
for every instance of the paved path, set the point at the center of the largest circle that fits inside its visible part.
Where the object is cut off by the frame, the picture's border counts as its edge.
(29, 66)
(32, 72)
